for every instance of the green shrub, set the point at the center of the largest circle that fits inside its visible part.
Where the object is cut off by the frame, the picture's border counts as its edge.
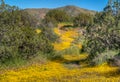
(83, 20)
(49, 33)
(73, 50)
(49, 22)
(58, 15)
(5, 53)
(99, 39)
(103, 57)
(22, 42)
(18, 38)
(104, 18)
(102, 36)
(13, 63)
(15, 16)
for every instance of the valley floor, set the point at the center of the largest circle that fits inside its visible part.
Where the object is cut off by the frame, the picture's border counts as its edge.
(59, 72)
(65, 70)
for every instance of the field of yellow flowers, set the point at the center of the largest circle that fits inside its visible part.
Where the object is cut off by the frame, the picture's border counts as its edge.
(56, 71)
(67, 37)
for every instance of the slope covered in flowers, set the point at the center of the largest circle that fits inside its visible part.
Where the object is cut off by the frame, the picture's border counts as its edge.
(66, 37)
(53, 71)
(57, 72)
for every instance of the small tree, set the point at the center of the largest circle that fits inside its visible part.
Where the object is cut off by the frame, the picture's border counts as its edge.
(103, 36)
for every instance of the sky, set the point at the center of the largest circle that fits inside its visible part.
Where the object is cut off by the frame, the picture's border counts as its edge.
(96, 5)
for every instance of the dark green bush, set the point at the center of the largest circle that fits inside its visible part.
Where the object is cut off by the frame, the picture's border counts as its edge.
(99, 39)
(73, 50)
(55, 16)
(15, 16)
(104, 18)
(104, 57)
(22, 42)
(49, 22)
(18, 38)
(49, 33)
(103, 36)
(83, 20)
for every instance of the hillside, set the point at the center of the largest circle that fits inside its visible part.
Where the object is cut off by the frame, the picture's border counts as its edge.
(74, 10)
(71, 10)
(38, 13)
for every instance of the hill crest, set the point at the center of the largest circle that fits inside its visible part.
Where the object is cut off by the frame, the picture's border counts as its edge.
(39, 13)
